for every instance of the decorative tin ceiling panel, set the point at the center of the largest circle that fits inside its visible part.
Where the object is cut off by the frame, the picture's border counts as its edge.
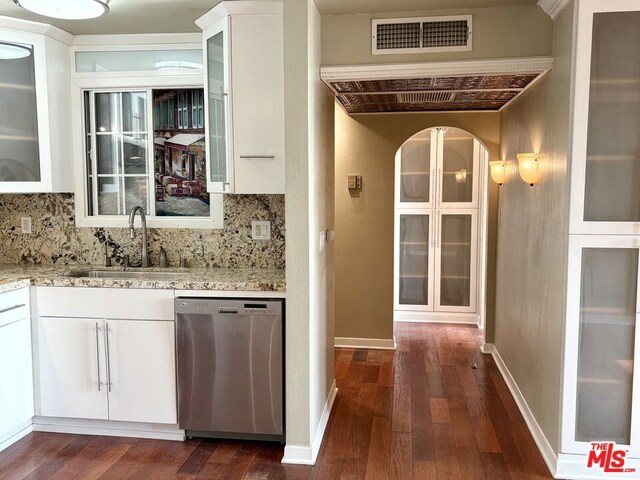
(483, 85)
(476, 82)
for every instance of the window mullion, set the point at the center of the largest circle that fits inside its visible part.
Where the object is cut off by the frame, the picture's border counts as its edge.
(121, 172)
(151, 167)
(94, 151)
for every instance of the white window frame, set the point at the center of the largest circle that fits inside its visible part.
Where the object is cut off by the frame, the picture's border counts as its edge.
(140, 81)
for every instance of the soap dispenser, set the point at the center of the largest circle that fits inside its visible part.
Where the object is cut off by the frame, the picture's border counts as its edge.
(163, 258)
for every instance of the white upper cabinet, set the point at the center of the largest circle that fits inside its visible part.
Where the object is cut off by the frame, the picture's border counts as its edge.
(605, 158)
(35, 133)
(243, 44)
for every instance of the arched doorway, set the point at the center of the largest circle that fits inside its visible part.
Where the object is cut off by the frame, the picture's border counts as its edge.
(440, 223)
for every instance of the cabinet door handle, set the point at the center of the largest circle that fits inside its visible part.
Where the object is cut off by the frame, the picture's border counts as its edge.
(98, 354)
(8, 309)
(108, 358)
(259, 157)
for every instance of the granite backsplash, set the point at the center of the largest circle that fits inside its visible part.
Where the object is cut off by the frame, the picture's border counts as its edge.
(56, 240)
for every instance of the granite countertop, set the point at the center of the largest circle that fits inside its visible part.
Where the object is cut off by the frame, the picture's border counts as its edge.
(13, 277)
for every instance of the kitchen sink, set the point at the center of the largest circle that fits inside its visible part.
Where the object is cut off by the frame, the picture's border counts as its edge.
(163, 276)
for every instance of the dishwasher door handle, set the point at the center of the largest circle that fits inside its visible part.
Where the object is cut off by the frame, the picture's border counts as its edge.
(227, 310)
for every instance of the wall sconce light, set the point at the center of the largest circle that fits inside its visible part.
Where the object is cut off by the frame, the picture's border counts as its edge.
(528, 167)
(461, 176)
(498, 170)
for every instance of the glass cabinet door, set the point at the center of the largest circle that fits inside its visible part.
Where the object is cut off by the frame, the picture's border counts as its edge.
(606, 149)
(600, 379)
(457, 171)
(216, 48)
(19, 146)
(417, 160)
(608, 300)
(414, 265)
(456, 260)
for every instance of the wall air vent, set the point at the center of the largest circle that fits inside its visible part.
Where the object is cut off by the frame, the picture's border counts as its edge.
(421, 35)
(426, 97)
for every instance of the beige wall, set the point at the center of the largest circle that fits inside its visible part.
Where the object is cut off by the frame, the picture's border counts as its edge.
(532, 239)
(366, 145)
(309, 194)
(498, 32)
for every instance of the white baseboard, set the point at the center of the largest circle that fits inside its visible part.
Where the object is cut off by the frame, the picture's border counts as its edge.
(547, 452)
(368, 343)
(307, 455)
(80, 426)
(435, 317)
(16, 435)
(574, 467)
(488, 348)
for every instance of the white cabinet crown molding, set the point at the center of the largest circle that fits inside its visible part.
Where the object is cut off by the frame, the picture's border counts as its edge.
(249, 7)
(50, 31)
(553, 7)
(175, 40)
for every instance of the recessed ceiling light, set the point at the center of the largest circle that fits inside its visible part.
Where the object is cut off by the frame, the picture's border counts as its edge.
(65, 9)
(12, 51)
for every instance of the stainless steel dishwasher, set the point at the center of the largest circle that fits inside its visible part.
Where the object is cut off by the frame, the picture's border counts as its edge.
(230, 368)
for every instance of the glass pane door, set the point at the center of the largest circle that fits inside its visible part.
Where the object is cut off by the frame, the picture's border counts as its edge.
(217, 100)
(457, 182)
(19, 148)
(415, 169)
(612, 185)
(608, 302)
(414, 263)
(456, 253)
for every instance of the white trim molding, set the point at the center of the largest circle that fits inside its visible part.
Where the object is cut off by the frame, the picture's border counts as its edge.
(488, 348)
(367, 343)
(436, 317)
(546, 450)
(307, 454)
(15, 435)
(345, 73)
(79, 426)
(553, 7)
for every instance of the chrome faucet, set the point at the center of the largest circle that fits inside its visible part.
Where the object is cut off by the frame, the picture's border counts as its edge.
(144, 256)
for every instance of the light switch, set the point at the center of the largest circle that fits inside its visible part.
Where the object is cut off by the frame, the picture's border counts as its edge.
(354, 182)
(261, 230)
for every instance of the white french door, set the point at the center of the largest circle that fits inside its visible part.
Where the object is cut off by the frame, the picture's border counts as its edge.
(436, 223)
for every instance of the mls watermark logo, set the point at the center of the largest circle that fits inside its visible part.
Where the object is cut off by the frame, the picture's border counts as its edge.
(606, 457)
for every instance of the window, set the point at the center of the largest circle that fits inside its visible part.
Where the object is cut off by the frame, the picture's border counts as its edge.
(197, 108)
(128, 164)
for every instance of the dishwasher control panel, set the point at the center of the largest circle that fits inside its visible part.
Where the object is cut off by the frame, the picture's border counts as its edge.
(228, 306)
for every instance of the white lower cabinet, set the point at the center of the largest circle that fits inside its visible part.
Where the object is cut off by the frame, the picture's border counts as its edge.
(16, 386)
(119, 370)
(142, 371)
(71, 368)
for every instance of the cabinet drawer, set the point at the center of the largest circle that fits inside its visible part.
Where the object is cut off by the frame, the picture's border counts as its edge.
(111, 303)
(14, 306)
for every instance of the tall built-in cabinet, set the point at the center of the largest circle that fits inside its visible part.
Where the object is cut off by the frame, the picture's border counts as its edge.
(244, 52)
(437, 199)
(35, 129)
(601, 392)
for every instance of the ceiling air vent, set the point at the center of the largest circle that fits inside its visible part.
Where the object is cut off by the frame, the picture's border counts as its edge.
(421, 34)
(426, 97)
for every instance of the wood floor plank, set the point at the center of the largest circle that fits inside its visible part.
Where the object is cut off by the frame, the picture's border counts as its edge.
(482, 426)
(402, 408)
(379, 450)
(446, 456)
(40, 448)
(401, 456)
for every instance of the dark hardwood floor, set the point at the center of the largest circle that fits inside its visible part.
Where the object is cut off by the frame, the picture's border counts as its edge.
(421, 412)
